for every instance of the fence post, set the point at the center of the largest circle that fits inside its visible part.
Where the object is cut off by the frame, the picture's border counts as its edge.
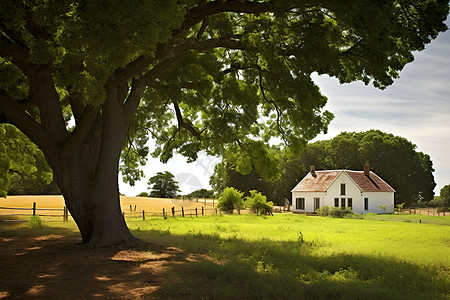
(203, 212)
(173, 211)
(65, 214)
(213, 203)
(131, 209)
(216, 211)
(135, 207)
(34, 208)
(182, 211)
(164, 214)
(143, 215)
(196, 214)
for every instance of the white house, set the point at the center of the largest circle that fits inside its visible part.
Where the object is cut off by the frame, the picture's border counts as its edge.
(362, 191)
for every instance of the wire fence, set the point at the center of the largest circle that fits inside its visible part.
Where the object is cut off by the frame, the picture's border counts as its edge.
(181, 212)
(421, 211)
(10, 214)
(50, 214)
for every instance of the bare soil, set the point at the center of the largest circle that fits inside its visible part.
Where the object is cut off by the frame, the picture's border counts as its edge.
(60, 267)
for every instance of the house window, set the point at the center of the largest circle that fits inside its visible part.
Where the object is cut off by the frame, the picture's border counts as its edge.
(300, 203)
(349, 202)
(316, 203)
(342, 189)
(366, 203)
(342, 202)
(336, 202)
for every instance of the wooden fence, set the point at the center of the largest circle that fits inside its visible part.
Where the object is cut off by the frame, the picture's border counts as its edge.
(421, 211)
(192, 212)
(64, 212)
(35, 211)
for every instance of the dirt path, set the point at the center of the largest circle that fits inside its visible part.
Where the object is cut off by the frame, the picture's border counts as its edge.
(59, 267)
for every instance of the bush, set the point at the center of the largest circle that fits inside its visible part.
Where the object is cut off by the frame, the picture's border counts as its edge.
(334, 212)
(36, 222)
(257, 203)
(324, 211)
(143, 194)
(230, 199)
(436, 202)
(340, 212)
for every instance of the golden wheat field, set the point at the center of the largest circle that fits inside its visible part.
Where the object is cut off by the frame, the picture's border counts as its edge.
(138, 204)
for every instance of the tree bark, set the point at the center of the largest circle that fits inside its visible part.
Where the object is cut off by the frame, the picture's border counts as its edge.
(88, 178)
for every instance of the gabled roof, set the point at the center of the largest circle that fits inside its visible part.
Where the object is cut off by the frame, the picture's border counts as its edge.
(324, 179)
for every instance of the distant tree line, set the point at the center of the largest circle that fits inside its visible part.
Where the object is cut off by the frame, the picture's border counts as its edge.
(393, 158)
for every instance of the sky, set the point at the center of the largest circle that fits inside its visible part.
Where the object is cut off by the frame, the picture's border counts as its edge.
(416, 107)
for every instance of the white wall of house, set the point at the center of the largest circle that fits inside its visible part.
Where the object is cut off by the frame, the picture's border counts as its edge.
(376, 199)
(309, 200)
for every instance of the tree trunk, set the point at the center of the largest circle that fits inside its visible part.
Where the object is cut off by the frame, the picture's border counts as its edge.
(88, 179)
(94, 202)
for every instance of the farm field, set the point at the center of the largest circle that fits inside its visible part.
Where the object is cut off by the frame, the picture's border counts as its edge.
(154, 205)
(237, 257)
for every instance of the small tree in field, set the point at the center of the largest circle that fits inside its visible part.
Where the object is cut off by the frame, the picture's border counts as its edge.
(257, 203)
(445, 195)
(230, 199)
(163, 185)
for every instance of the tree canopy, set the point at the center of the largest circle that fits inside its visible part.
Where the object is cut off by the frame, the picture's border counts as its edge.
(192, 75)
(393, 158)
(163, 185)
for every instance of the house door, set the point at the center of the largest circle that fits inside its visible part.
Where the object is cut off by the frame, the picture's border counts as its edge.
(316, 203)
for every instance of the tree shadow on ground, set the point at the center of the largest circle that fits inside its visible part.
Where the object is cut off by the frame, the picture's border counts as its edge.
(233, 268)
(57, 265)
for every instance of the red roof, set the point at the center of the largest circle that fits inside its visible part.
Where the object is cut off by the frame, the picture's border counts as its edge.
(323, 179)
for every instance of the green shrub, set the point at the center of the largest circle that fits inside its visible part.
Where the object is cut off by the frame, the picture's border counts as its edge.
(334, 212)
(36, 222)
(324, 211)
(257, 203)
(340, 212)
(436, 202)
(230, 199)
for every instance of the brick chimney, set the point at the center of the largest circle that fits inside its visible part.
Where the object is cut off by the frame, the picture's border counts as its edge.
(367, 170)
(312, 170)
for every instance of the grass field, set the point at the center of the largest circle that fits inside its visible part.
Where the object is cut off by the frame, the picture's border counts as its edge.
(296, 256)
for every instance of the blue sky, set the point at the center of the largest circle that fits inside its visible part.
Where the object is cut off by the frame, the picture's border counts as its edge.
(416, 106)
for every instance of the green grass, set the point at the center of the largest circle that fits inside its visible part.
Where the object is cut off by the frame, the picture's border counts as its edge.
(294, 256)
(20, 226)
(303, 257)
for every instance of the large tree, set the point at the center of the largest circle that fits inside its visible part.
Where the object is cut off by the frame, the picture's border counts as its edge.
(163, 185)
(192, 74)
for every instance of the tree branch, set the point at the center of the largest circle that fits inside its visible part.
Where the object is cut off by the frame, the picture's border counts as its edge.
(182, 123)
(84, 124)
(278, 110)
(200, 12)
(19, 56)
(25, 123)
